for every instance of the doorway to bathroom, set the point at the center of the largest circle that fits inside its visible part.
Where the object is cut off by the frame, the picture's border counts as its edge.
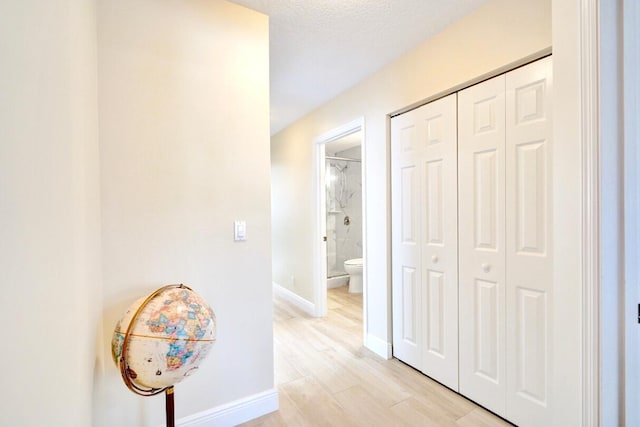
(340, 249)
(343, 204)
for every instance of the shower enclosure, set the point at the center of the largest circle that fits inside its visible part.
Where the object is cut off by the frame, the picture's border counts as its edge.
(344, 213)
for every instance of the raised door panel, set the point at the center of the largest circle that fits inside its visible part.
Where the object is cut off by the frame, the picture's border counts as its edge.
(439, 240)
(481, 192)
(406, 270)
(529, 230)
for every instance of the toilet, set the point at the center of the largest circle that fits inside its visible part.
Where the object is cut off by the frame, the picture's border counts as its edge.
(354, 268)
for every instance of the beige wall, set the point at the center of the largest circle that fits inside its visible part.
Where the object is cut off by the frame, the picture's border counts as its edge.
(567, 174)
(497, 34)
(49, 211)
(184, 131)
(93, 217)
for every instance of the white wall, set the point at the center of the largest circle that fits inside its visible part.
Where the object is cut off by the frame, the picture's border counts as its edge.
(612, 221)
(631, 95)
(184, 137)
(49, 211)
(620, 234)
(499, 33)
(565, 386)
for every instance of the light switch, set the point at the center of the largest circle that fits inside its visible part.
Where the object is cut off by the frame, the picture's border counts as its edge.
(239, 231)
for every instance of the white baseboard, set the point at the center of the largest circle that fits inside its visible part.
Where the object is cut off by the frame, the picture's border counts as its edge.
(378, 346)
(234, 413)
(295, 299)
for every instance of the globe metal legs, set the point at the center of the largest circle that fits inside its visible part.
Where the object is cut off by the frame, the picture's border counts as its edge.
(169, 408)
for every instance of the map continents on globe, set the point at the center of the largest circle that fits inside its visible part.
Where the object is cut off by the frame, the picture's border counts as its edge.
(171, 335)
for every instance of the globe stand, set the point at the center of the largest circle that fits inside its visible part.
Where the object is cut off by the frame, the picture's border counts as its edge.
(169, 408)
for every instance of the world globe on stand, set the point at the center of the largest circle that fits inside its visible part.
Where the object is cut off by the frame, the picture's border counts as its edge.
(162, 339)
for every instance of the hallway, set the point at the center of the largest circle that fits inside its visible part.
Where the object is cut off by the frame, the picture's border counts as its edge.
(325, 377)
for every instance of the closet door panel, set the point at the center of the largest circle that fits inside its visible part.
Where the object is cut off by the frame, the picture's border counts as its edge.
(440, 240)
(529, 246)
(406, 182)
(424, 239)
(481, 151)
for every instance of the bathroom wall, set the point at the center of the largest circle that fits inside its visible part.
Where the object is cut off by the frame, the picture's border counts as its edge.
(344, 211)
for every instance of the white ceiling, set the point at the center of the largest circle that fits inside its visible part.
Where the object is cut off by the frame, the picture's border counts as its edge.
(320, 48)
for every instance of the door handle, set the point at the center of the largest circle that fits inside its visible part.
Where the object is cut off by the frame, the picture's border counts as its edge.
(324, 238)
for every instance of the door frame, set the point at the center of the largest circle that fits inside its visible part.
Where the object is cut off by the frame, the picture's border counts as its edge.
(320, 212)
(591, 209)
(600, 83)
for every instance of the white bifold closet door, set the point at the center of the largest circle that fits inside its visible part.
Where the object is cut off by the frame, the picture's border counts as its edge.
(425, 239)
(505, 190)
(481, 156)
(529, 246)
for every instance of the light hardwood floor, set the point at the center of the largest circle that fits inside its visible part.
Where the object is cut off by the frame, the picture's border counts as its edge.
(326, 377)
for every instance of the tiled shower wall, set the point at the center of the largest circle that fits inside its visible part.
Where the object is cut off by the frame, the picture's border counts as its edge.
(344, 211)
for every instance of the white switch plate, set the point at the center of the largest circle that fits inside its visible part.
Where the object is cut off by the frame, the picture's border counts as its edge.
(239, 231)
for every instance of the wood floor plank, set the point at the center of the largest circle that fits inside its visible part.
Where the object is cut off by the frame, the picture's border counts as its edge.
(365, 409)
(414, 413)
(288, 415)
(285, 371)
(482, 418)
(325, 377)
(319, 407)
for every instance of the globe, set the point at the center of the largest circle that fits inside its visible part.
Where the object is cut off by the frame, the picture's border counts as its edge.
(163, 338)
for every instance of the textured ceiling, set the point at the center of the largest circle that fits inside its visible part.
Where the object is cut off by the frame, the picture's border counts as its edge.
(320, 48)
